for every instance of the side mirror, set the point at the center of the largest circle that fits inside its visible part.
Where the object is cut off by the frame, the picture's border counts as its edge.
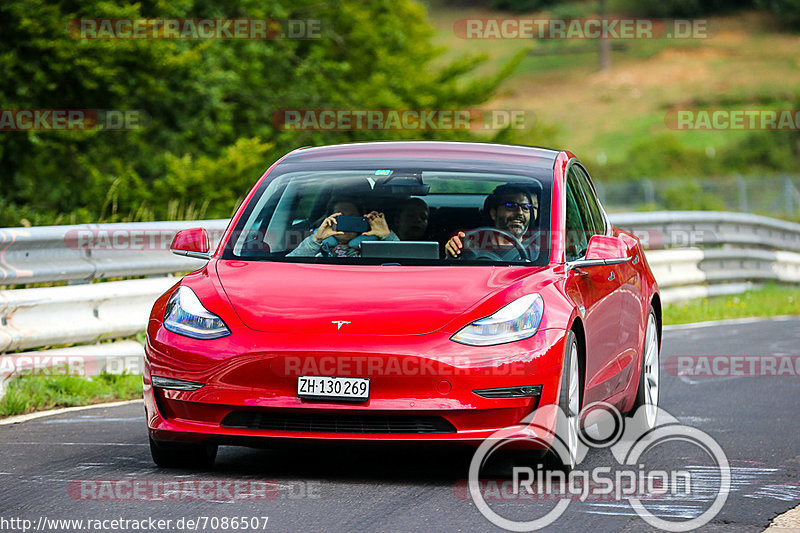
(191, 243)
(603, 250)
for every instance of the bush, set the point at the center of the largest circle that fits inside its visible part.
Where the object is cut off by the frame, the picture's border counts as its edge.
(677, 8)
(763, 151)
(690, 196)
(659, 156)
(522, 6)
(787, 11)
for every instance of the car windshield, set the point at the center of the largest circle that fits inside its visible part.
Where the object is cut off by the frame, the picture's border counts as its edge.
(396, 215)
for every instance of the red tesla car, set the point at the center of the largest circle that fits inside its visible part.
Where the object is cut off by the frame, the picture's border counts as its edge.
(401, 291)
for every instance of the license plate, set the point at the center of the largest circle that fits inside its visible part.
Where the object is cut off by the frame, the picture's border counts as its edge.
(332, 388)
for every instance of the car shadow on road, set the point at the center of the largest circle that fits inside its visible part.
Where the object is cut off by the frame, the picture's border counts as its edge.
(380, 462)
(361, 463)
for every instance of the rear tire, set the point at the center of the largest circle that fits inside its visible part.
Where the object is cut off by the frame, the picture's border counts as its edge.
(183, 455)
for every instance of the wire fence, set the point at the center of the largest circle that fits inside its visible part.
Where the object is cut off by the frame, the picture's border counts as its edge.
(773, 196)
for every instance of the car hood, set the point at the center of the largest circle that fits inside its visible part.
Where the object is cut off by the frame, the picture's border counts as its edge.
(385, 300)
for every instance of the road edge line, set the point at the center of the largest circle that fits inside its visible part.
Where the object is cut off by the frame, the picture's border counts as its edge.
(788, 521)
(730, 321)
(17, 419)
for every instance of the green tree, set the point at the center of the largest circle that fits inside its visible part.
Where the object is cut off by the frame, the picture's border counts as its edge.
(210, 103)
(787, 11)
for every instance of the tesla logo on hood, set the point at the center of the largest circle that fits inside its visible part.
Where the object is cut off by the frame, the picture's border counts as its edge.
(339, 323)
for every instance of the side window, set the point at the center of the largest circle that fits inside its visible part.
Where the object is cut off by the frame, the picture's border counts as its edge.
(576, 223)
(591, 201)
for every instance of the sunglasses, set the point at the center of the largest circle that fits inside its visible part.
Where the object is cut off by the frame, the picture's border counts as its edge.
(513, 206)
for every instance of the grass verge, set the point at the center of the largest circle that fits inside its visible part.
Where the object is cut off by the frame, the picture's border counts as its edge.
(37, 392)
(771, 300)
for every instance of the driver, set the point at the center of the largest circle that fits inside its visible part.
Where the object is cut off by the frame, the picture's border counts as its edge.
(510, 208)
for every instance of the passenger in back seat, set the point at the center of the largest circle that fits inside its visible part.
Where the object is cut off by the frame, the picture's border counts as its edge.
(411, 222)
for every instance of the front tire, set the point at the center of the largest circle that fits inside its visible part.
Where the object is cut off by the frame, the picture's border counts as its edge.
(183, 455)
(569, 403)
(650, 374)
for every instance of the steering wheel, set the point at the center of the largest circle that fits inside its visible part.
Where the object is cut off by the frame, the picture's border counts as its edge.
(487, 254)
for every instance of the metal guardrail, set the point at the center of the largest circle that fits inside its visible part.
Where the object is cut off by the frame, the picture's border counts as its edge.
(696, 254)
(33, 318)
(87, 252)
(737, 251)
(671, 229)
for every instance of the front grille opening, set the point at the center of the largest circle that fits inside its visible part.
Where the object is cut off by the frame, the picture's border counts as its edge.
(337, 423)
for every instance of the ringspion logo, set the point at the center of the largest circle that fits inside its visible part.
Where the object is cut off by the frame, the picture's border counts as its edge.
(631, 481)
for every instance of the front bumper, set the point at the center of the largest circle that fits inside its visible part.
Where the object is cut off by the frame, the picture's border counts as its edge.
(414, 381)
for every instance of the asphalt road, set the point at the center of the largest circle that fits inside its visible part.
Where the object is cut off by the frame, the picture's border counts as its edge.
(70, 466)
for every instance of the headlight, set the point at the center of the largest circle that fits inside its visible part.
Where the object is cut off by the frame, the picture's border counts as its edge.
(518, 320)
(185, 315)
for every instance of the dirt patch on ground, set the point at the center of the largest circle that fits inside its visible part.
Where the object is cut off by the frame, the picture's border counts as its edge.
(669, 67)
(690, 54)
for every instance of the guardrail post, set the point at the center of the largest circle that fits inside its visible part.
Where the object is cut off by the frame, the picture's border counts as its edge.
(742, 193)
(649, 191)
(601, 192)
(788, 192)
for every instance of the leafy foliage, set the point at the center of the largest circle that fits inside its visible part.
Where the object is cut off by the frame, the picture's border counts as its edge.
(678, 8)
(665, 155)
(522, 6)
(787, 11)
(690, 196)
(210, 103)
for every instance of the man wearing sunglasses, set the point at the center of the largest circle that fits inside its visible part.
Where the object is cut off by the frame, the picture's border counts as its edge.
(511, 209)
